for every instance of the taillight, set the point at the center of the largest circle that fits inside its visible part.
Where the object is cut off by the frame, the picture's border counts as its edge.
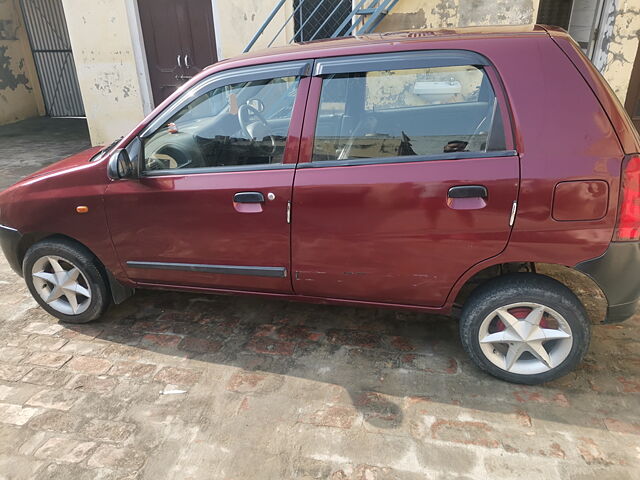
(628, 227)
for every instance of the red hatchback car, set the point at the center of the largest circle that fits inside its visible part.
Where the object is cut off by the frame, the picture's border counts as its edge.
(393, 170)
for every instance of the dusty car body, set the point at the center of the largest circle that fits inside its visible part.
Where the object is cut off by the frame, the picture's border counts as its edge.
(391, 170)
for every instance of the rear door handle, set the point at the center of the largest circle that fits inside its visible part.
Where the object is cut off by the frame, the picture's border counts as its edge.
(468, 191)
(248, 197)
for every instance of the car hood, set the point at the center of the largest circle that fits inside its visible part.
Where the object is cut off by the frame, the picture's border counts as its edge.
(81, 158)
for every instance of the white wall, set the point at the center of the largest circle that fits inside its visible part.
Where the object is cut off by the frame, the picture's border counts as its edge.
(237, 21)
(616, 49)
(104, 51)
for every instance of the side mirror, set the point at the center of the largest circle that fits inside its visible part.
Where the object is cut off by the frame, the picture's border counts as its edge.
(120, 165)
(124, 162)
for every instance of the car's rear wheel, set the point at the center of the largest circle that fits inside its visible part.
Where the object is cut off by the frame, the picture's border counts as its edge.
(525, 328)
(66, 280)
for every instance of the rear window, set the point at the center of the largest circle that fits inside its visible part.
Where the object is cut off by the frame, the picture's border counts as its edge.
(412, 112)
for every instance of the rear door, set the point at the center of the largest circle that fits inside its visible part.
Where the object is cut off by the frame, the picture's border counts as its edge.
(407, 176)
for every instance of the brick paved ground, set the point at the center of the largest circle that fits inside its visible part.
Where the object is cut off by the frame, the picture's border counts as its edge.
(31, 144)
(182, 386)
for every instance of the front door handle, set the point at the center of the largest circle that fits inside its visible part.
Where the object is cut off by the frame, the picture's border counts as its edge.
(248, 202)
(248, 197)
(467, 197)
(468, 191)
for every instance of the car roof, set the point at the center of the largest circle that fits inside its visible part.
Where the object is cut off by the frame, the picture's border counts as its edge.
(372, 42)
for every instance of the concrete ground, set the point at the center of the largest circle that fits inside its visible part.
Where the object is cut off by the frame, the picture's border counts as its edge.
(29, 145)
(179, 386)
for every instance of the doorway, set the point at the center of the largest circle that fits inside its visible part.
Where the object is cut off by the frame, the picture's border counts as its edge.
(632, 104)
(581, 18)
(51, 48)
(179, 41)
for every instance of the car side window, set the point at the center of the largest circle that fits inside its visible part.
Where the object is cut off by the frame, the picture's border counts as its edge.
(409, 112)
(241, 124)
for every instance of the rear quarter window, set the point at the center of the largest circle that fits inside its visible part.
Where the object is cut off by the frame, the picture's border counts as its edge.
(408, 112)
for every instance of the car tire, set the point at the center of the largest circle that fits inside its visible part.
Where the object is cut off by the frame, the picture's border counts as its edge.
(49, 268)
(499, 332)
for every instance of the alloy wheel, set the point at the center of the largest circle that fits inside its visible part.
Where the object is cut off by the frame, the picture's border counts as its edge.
(61, 285)
(525, 338)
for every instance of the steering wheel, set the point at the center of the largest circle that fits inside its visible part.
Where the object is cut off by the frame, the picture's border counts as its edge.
(174, 156)
(244, 118)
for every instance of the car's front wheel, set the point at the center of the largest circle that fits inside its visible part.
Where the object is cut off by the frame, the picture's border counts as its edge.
(525, 328)
(66, 280)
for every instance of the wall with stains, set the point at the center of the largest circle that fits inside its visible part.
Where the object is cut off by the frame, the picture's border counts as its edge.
(408, 14)
(103, 51)
(616, 51)
(20, 95)
(110, 61)
(237, 21)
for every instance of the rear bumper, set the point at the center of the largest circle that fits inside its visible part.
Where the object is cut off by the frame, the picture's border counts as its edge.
(617, 273)
(9, 240)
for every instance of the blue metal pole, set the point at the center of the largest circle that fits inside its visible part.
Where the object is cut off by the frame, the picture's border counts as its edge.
(380, 17)
(347, 20)
(264, 25)
(374, 16)
(285, 24)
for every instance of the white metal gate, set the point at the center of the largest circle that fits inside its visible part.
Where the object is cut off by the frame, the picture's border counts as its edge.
(51, 49)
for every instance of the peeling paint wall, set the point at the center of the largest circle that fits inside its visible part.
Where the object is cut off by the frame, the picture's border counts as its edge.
(409, 14)
(105, 42)
(239, 20)
(103, 50)
(107, 45)
(617, 49)
(20, 95)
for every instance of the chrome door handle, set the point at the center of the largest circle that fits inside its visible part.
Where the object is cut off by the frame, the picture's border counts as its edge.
(178, 60)
(248, 197)
(468, 191)
(467, 197)
(186, 61)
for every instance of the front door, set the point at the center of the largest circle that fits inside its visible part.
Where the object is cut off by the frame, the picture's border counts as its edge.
(179, 41)
(210, 208)
(409, 179)
(633, 95)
